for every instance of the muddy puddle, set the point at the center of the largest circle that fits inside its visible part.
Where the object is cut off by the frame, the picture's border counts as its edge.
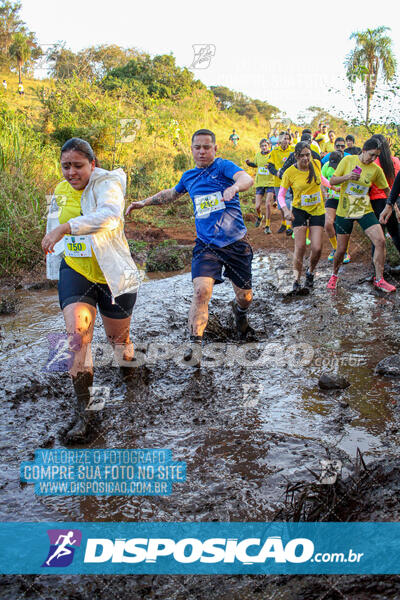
(249, 423)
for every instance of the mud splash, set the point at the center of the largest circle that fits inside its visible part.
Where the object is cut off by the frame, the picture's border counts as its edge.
(250, 421)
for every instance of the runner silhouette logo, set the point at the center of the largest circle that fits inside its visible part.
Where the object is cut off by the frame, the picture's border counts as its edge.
(62, 547)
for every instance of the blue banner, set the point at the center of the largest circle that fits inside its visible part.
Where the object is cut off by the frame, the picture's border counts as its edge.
(200, 548)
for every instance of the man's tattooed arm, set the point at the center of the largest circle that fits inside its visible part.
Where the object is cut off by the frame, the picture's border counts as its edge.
(163, 197)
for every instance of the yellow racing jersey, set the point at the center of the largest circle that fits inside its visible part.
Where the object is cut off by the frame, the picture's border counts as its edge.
(314, 146)
(263, 178)
(327, 146)
(354, 201)
(306, 196)
(69, 201)
(277, 159)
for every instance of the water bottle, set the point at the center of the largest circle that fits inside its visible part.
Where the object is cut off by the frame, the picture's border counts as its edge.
(54, 259)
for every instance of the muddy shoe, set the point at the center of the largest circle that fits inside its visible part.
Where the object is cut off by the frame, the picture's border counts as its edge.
(82, 382)
(309, 280)
(296, 287)
(192, 355)
(297, 290)
(241, 322)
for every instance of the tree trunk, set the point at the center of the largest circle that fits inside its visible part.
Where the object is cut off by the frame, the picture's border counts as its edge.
(19, 72)
(368, 94)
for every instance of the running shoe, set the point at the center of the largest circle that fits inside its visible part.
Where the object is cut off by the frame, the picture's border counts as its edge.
(289, 231)
(296, 286)
(258, 222)
(309, 279)
(308, 242)
(347, 258)
(332, 282)
(384, 285)
(281, 229)
(331, 256)
(267, 230)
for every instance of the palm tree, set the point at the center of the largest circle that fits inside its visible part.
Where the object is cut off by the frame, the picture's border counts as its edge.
(372, 54)
(20, 50)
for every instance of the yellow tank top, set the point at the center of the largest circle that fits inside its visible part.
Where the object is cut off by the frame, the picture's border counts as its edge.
(69, 201)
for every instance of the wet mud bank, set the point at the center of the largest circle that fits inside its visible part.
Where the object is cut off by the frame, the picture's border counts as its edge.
(252, 424)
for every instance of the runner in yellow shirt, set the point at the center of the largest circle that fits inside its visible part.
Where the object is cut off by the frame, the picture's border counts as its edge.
(304, 177)
(355, 175)
(275, 163)
(322, 136)
(264, 184)
(328, 146)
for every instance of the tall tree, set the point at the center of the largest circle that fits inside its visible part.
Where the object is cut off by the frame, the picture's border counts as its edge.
(10, 23)
(23, 48)
(373, 55)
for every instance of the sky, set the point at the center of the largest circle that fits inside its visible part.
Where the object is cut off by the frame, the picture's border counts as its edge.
(285, 52)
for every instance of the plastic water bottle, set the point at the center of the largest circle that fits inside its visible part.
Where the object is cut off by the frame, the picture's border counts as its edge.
(53, 260)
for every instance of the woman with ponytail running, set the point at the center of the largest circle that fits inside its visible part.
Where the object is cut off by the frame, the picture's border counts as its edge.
(308, 210)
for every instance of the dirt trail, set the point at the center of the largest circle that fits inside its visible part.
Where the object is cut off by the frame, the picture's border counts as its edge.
(250, 421)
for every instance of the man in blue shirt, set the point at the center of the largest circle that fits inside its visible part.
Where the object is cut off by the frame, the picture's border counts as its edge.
(213, 186)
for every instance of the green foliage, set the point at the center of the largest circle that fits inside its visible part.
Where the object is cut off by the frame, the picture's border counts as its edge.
(91, 63)
(18, 46)
(28, 171)
(168, 256)
(241, 104)
(10, 23)
(23, 48)
(136, 246)
(75, 108)
(158, 77)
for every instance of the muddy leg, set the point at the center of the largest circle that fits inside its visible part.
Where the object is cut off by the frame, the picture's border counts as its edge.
(79, 321)
(198, 313)
(117, 331)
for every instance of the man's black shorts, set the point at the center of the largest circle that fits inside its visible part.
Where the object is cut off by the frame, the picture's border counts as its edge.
(208, 261)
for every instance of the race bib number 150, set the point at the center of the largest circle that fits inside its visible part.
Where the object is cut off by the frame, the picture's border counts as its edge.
(78, 246)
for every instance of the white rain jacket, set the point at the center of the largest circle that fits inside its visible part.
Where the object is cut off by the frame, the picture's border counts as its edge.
(102, 205)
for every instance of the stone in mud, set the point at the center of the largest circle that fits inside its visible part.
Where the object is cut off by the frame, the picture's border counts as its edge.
(389, 366)
(9, 304)
(332, 382)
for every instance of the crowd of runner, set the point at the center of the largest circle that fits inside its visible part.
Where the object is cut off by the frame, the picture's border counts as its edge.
(318, 182)
(326, 182)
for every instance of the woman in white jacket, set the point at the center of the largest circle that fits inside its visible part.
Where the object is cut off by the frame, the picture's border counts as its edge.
(85, 241)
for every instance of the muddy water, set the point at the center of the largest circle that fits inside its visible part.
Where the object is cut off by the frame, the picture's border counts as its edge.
(248, 422)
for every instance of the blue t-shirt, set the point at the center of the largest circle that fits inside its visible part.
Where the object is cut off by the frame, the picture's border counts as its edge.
(326, 157)
(217, 222)
(274, 140)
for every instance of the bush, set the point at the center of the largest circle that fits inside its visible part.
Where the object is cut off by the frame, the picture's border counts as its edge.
(168, 256)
